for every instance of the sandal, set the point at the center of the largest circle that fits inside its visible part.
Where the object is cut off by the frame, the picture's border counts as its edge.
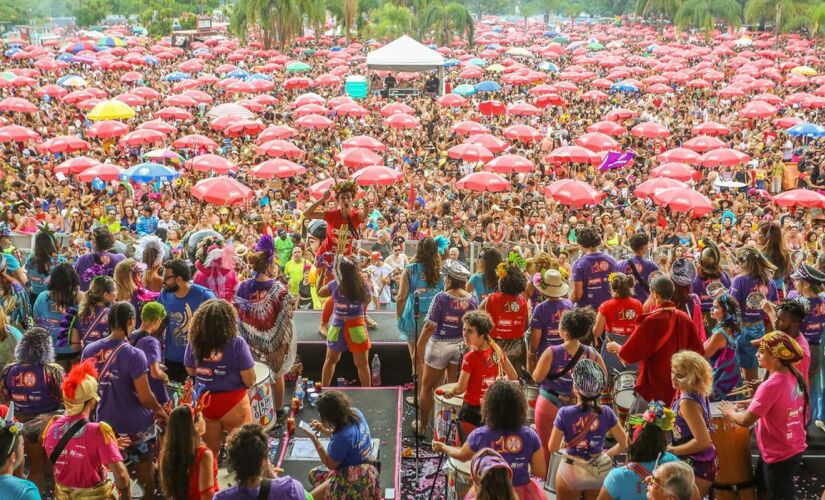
(371, 324)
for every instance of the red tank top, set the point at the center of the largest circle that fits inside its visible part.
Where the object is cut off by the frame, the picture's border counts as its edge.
(509, 315)
(194, 486)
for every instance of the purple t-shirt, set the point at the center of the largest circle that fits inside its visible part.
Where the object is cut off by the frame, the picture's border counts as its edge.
(119, 404)
(108, 260)
(283, 488)
(592, 270)
(814, 322)
(571, 419)
(26, 385)
(344, 309)
(517, 448)
(681, 431)
(546, 317)
(93, 327)
(563, 385)
(644, 267)
(742, 286)
(221, 372)
(151, 349)
(446, 312)
(700, 288)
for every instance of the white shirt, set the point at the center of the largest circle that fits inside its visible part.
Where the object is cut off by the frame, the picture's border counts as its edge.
(377, 275)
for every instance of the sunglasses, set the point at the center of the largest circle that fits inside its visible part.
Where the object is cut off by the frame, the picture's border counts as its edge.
(654, 484)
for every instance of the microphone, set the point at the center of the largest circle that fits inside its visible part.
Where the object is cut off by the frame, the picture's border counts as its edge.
(416, 304)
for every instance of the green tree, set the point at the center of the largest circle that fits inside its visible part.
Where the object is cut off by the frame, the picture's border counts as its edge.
(816, 20)
(389, 22)
(188, 21)
(785, 14)
(446, 20)
(666, 9)
(703, 14)
(90, 12)
(491, 7)
(13, 12)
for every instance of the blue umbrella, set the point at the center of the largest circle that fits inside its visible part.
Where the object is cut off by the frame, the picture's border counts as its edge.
(176, 76)
(259, 76)
(238, 73)
(548, 66)
(449, 63)
(477, 61)
(11, 51)
(493, 46)
(63, 79)
(432, 46)
(807, 130)
(151, 60)
(149, 172)
(64, 57)
(487, 86)
(464, 90)
(624, 87)
(576, 45)
(335, 49)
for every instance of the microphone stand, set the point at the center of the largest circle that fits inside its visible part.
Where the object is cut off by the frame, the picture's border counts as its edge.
(416, 312)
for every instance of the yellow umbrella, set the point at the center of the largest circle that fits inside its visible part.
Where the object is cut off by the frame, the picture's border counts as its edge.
(495, 68)
(519, 51)
(111, 110)
(804, 70)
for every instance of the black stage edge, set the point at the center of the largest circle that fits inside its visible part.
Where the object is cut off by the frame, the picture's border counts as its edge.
(396, 367)
(382, 408)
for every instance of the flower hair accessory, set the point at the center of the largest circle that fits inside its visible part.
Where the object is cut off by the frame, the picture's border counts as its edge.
(613, 276)
(657, 414)
(9, 423)
(514, 260)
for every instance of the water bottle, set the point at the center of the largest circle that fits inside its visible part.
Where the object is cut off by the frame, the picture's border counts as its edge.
(299, 392)
(376, 371)
(273, 451)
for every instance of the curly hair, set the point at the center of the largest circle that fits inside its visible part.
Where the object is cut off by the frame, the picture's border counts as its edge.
(214, 323)
(480, 320)
(698, 374)
(335, 410)
(514, 282)
(98, 288)
(622, 285)
(588, 237)
(125, 285)
(796, 308)
(35, 348)
(578, 322)
(351, 282)
(490, 259)
(638, 241)
(63, 285)
(246, 448)
(102, 239)
(504, 407)
(179, 451)
(426, 254)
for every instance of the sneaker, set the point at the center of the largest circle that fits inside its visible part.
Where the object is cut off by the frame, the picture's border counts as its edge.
(371, 324)
(410, 401)
(820, 425)
(323, 329)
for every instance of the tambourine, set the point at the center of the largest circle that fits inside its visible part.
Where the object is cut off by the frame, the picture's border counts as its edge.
(715, 289)
(755, 300)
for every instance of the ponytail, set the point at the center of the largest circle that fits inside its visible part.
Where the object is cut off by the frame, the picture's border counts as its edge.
(501, 356)
(800, 380)
(590, 404)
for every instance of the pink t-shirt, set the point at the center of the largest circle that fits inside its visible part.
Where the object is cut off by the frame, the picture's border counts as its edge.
(81, 463)
(780, 430)
(805, 364)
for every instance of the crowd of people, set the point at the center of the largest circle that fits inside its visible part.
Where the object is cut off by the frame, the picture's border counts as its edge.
(133, 326)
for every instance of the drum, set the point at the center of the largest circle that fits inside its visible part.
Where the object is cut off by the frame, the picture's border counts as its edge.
(733, 451)
(458, 479)
(225, 479)
(260, 396)
(611, 360)
(445, 417)
(531, 394)
(623, 395)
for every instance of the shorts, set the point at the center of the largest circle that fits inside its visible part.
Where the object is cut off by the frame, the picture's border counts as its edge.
(352, 336)
(579, 475)
(143, 446)
(441, 353)
(218, 404)
(470, 414)
(745, 352)
(702, 469)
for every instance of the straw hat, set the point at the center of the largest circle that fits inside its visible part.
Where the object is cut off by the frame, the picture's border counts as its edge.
(552, 285)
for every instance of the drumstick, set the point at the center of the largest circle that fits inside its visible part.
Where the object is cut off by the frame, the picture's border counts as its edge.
(741, 390)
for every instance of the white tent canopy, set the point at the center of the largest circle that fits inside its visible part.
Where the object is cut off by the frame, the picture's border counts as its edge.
(404, 54)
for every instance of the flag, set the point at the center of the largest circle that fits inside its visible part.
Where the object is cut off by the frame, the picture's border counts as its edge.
(616, 159)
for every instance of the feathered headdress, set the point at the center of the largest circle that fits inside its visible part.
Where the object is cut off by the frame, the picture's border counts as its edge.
(11, 425)
(514, 260)
(657, 414)
(443, 244)
(222, 257)
(266, 244)
(150, 242)
(79, 386)
(347, 186)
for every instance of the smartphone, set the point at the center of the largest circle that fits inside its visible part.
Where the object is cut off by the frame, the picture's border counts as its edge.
(305, 426)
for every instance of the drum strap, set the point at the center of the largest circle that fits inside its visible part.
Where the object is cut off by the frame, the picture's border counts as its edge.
(64, 441)
(639, 469)
(642, 282)
(569, 366)
(263, 492)
(583, 434)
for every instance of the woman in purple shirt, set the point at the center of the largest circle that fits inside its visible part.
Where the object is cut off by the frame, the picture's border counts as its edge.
(544, 326)
(441, 338)
(505, 431)
(91, 321)
(590, 272)
(222, 364)
(126, 401)
(100, 260)
(33, 382)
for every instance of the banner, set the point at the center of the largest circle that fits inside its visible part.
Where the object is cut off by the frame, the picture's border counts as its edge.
(616, 159)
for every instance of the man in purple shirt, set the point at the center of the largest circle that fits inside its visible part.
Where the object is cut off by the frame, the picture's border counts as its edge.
(638, 266)
(591, 286)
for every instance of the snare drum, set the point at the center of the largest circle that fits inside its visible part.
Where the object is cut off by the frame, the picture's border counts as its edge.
(260, 396)
(458, 479)
(531, 394)
(623, 395)
(445, 416)
(225, 479)
(611, 360)
(733, 451)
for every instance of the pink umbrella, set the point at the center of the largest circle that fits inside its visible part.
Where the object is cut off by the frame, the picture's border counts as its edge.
(596, 141)
(523, 133)
(222, 191)
(620, 114)
(174, 113)
(51, 90)
(140, 137)
(800, 198)
(684, 200)
(396, 108)
(469, 128)
(401, 121)
(308, 98)
(64, 144)
(701, 143)
(675, 170)
(181, 100)
(359, 157)
(278, 148)
(492, 107)
(17, 133)
(452, 101)
(376, 175)
(650, 187)
(195, 141)
(523, 109)
(159, 126)
(594, 95)
(723, 157)
(489, 141)
(310, 109)
(210, 162)
(572, 154)
(131, 99)
(275, 132)
(244, 128)
(484, 182)
(350, 109)
(470, 152)
(104, 171)
(607, 127)
(364, 141)
(17, 105)
(223, 121)
(314, 122)
(573, 193)
(710, 128)
(681, 155)
(650, 130)
(506, 164)
(107, 129)
(76, 165)
(277, 167)
(758, 109)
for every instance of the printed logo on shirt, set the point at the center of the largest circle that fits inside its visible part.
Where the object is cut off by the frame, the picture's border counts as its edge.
(601, 266)
(627, 314)
(510, 443)
(25, 379)
(512, 307)
(215, 357)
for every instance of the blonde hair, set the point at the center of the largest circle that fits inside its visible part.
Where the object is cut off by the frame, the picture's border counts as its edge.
(4, 322)
(125, 285)
(698, 372)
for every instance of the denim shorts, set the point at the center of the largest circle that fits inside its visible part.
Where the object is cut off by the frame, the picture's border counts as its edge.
(745, 352)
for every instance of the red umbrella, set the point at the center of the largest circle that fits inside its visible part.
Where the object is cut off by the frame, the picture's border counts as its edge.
(620, 114)
(376, 175)
(310, 109)
(131, 99)
(297, 82)
(506, 164)
(492, 107)
(594, 95)
(359, 157)
(51, 90)
(523, 109)
(723, 157)
(484, 182)
(64, 144)
(573, 193)
(364, 141)
(210, 162)
(350, 109)
(545, 100)
(452, 101)
(607, 127)
(107, 129)
(279, 148)
(523, 133)
(141, 136)
(799, 198)
(489, 141)
(401, 120)
(675, 170)
(195, 141)
(277, 167)
(314, 122)
(572, 154)
(308, 98)
(788, 121)
(325, 80)
(681, 155)
(395, 108)
(181, 100)
(17, 133)
(684, 200)
(275, 132)
(76, 165)
(159, 126)
(17, 105)
(244, 128)
(652, 186)
(469, 128)
(650, 130)
(710, 128)
(104, 171)
(702, 143)
(223, 121)
(147, 93)
(596, 141)
(470, 152)
(174, 113)
(222, 191)
(758, 109)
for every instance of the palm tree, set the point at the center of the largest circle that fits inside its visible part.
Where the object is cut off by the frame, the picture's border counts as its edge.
(703, 14)
(445, 20)
(390, 21)
(345, 13)
(658, 8)
(816, 20)
(786, 14)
